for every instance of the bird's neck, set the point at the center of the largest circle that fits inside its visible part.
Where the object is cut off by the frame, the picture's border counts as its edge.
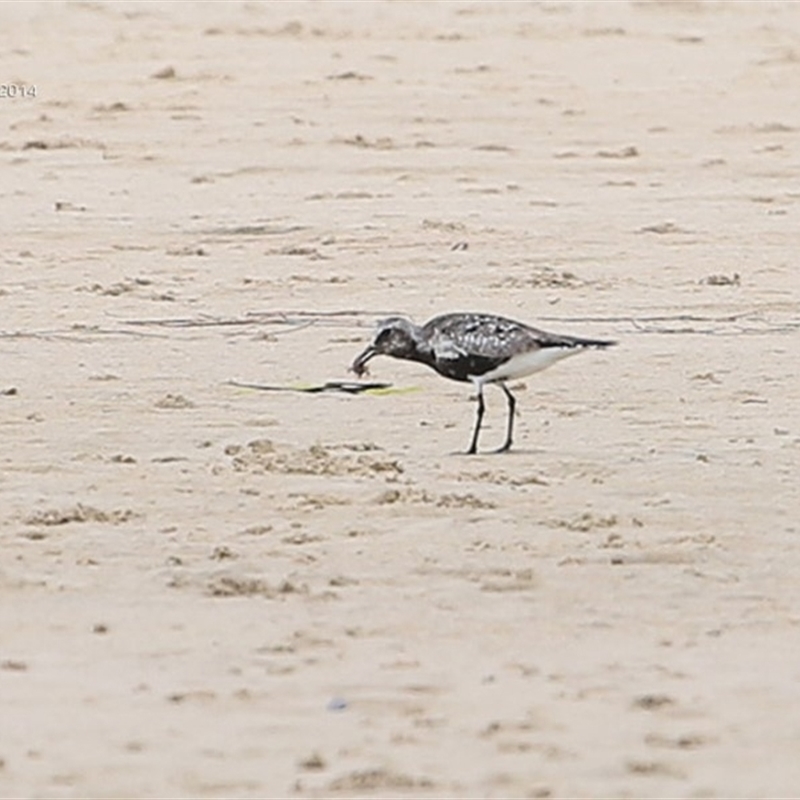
(421, 354)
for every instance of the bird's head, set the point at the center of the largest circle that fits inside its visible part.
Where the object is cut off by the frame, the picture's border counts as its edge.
(396, 336)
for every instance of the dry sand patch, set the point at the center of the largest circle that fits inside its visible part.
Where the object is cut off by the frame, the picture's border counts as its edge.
(215, 591)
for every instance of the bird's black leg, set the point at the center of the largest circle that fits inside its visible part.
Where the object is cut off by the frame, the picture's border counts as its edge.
(512, 403)
(473, 448)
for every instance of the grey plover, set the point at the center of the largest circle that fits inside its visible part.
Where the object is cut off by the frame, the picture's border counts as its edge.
(481, 348)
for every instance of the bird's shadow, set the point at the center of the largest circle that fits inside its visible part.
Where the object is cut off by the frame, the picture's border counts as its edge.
(516, 451)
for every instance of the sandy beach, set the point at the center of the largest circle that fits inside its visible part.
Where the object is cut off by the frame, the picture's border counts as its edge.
(217, 591)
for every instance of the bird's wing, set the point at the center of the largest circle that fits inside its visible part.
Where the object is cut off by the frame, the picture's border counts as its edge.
(490, 337)
(447, 349)
(483, 336)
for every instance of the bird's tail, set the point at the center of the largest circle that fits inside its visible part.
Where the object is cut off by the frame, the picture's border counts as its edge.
(598, 344)
(576, 342)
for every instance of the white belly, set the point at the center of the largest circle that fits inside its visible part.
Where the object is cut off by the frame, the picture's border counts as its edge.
(526, 364)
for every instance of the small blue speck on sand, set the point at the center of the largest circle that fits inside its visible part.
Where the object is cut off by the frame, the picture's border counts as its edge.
(337, 704)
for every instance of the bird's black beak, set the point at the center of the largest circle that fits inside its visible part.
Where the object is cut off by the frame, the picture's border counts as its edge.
(359, 366)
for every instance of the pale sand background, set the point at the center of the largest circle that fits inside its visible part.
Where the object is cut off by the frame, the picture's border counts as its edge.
(357, 609)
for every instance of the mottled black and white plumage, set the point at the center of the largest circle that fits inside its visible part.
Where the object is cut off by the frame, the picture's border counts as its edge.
(479, 348)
